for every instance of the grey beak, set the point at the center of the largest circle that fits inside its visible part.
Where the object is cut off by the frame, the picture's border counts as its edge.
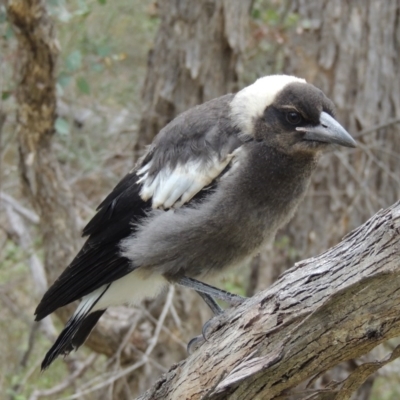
(328, 131)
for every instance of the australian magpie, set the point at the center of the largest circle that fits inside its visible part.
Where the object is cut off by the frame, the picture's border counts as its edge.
(215, 185)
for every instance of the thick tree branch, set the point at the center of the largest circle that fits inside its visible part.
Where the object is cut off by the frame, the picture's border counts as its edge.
(324, 310)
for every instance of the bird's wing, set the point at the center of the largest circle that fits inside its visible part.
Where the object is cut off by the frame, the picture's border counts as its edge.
(187, 156)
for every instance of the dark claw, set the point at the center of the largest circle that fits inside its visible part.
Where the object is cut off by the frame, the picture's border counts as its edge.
(214, 323)
(195, 343)
(210, 326)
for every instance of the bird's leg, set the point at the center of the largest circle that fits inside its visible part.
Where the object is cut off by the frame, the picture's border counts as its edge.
(213, 292)
(207, 293)
(215, 308)
(197, 341)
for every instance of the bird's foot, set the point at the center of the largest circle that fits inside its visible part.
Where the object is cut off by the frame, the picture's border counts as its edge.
(195, 344)
(210, 326)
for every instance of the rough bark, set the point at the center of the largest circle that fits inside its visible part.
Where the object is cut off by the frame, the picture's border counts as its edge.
(324, 310)
(41, 177)
(350, 50)
(196, 57)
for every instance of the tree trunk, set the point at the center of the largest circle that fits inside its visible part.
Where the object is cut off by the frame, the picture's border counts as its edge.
(41, 176)
(196, 57)
(349, 49)
(323, 311)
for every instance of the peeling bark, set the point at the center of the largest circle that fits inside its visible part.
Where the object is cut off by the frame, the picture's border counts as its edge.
(324, 310)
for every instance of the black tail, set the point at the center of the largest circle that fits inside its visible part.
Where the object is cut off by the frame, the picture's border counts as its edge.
(73, 336)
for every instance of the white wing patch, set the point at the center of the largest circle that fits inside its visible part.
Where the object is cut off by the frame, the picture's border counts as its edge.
(171, 188)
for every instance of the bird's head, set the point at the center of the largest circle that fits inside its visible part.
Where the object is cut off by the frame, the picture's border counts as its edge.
(289, 113)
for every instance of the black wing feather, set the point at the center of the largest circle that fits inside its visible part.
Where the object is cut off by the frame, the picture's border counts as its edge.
(99, 261)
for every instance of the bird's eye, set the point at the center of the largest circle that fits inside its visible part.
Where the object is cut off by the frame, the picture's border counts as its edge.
(293, 117)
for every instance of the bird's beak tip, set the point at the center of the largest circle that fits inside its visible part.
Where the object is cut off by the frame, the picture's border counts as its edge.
(353, 145)
(330, 131)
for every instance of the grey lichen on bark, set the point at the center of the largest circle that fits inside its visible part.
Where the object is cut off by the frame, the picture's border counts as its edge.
(324, 310)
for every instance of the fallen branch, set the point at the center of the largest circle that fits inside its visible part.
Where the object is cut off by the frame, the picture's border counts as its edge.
(324, 310)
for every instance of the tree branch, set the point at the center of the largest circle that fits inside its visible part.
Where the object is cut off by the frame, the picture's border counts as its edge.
(324, 310)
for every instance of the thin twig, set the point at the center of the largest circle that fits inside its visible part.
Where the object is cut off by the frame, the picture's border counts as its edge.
(25, 241)
(140, 363)
(380, 164)
(125, 340)
(376, 127)
(67, 382)
(28, 214)
(175, 338)
(151, 360)
(161, 319)
(31, 342)
(175, 316)
(10, 304)
(35, 265)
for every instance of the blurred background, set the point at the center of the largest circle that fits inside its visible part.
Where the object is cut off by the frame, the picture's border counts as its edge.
(123, 69)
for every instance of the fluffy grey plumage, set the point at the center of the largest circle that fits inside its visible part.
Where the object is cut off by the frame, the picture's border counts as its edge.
(214, 186)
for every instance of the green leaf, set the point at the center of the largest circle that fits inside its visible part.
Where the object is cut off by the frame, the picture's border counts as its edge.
(83, 9)
(97, 67)
(5, 94)
(271, 17)
(290, 21)
(59, 90)
(102, 2)
(9, 32)
(103, 50)
(61, 126)
(83, 85)
(74, 60)
(256, 14)
(3, 15)
(63, 79)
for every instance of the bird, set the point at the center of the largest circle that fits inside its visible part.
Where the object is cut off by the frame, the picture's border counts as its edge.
(211, 190)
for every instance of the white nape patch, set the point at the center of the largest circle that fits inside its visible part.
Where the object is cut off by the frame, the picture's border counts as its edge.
(250, 102)
(175, 187)
(130, 289)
